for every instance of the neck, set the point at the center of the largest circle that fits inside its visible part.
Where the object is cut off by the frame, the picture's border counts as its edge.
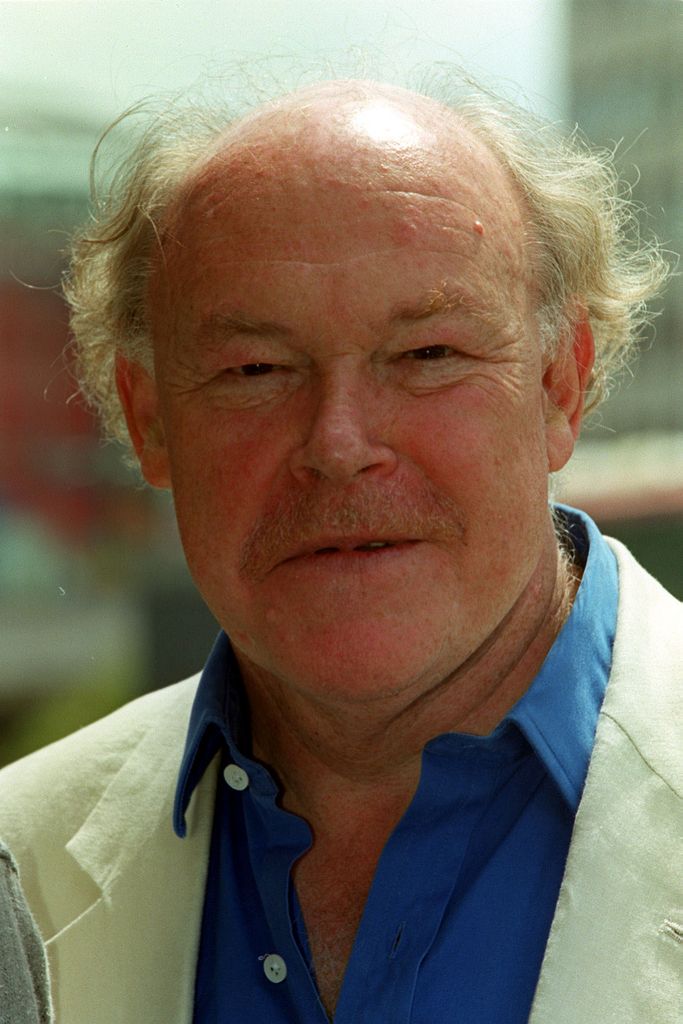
(367, 755)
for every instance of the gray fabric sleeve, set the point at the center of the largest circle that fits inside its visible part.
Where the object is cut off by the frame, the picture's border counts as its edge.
(24, 985)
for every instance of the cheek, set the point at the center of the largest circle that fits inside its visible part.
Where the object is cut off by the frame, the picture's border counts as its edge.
(213, 477)
(472, 435)
(214, 451)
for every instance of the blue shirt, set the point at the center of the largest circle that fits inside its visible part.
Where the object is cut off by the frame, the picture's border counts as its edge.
(458, 915)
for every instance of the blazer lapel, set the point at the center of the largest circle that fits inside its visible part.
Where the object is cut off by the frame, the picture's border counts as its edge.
(615, 954)
(140, 933)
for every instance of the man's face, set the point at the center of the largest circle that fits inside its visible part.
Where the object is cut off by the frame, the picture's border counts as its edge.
(346, 356)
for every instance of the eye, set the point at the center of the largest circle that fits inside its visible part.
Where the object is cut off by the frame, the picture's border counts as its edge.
(430, 352)
(254, 369)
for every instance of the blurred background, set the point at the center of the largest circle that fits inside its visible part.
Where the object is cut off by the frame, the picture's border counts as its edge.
(96, 605)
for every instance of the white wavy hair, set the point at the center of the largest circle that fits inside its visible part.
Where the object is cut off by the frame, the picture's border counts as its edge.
(589, 254)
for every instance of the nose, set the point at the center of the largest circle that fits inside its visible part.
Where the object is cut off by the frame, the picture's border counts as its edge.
(342, 438)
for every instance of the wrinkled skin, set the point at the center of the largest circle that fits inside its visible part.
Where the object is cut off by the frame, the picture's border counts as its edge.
(346, 351)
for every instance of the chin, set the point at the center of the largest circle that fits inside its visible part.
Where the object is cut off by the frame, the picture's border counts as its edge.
(356, 664)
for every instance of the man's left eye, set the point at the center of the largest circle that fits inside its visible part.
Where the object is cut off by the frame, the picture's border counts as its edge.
(255, 369)
(430, 352)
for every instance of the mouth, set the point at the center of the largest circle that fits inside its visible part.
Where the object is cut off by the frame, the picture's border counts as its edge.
(371, 545)
(350, 549)
(339, 556)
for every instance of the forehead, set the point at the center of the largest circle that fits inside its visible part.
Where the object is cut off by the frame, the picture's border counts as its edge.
(335, 179)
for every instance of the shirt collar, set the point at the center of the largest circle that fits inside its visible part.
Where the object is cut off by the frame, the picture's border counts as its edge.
(219, 717)
(557, 715)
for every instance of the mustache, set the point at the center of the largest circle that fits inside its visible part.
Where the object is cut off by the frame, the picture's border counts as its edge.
(298, 518)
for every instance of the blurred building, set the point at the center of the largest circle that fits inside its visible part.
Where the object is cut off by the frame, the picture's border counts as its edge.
(626, 68)
(625, 60)
(45, 439)
(92, 583)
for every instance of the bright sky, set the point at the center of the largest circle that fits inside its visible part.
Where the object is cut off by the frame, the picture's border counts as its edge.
(100, 56)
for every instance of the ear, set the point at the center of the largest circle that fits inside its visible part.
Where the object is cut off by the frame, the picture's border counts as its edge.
(565, 380)
(138, 395)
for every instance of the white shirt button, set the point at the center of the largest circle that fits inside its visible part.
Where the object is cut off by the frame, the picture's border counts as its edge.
(236, 777)
(274, 968)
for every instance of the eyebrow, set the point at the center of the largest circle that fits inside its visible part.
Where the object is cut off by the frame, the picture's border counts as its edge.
(436, 302)
(443, 301)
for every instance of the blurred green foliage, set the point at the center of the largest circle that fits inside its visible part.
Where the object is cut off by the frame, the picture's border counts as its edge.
(31, 724)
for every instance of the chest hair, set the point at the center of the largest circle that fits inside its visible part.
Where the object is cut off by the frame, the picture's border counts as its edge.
(332, 906)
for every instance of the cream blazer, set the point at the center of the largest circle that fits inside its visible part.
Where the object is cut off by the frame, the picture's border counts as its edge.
(119, 898)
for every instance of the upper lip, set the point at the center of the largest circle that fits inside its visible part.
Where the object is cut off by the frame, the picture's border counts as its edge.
(345, 543)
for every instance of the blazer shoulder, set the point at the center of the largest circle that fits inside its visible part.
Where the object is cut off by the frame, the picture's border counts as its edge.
(645, 693)
(55, 787)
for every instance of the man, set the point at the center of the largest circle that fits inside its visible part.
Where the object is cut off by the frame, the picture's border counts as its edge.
(353, 332)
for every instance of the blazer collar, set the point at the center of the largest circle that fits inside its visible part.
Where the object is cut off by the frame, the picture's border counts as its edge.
(149, 896)
(613, 952)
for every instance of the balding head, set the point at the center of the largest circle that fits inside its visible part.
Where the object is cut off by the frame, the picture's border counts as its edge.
(575, 231)
(360, 135)
(376, 148)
